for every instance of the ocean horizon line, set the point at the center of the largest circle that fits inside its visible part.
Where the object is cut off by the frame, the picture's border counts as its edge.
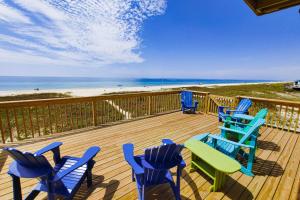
(42, 83)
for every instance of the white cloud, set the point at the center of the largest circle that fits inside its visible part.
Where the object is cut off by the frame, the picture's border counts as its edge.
(8, 14)
(91, 32)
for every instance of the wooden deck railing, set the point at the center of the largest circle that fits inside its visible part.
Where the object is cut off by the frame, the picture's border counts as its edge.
(33, 118)
(282, 114)
(28, 119)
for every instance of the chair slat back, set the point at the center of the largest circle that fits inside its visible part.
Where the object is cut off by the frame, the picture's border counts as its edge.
(28, 160)
(164, 156)
(244, 105)
(260, 115)
(251, 130)
(187, 98)
(161, 159)
(154, 176)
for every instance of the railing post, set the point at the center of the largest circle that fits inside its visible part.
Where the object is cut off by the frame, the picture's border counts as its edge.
(207, 96)
(236, 100)
(94, 112)
(2, 130)
(149, 105)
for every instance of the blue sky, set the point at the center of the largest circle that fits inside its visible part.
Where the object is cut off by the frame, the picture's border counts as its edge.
(153, 38)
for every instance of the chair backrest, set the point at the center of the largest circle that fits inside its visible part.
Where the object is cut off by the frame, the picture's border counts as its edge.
(244, 105)
(161, 159)
(187, 97)
(253, 129)
(260, 115)
(29, 160)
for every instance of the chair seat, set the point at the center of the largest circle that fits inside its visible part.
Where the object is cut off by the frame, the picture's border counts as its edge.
(70, 181)
(224, 147)
(189, 106)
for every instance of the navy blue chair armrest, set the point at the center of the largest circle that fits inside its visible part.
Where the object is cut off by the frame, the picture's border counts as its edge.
(129, 157)
(182, 164)
(167, 141)
(87, 156)
(54, 147)
(50, 147)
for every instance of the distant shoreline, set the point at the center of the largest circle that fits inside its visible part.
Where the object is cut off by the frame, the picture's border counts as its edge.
(84, 92)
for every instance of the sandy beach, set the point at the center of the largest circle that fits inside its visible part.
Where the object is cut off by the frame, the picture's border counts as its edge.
(84, 92)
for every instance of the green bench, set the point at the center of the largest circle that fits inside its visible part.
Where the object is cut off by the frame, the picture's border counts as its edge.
(212, 162)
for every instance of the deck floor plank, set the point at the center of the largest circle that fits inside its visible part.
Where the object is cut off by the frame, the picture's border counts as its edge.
(112, 175)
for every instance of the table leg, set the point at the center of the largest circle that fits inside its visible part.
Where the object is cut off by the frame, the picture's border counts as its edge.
(219, 181)
(193, 159)
(16, 187)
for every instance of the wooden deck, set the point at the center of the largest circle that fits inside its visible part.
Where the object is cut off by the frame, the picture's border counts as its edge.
(277, 167)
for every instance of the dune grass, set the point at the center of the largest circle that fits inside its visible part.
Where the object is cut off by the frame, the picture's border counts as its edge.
(281, 91)
(34, 96)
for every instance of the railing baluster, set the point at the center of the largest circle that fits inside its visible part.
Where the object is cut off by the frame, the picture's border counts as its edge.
(279, 117)
(85, 114)
(80, 115)
(55, 118)
(66, 117)
(283, 121)
(37, 121)
(71, 116)
(30, 122)
(9, 126)
(1, 129)
(61, 111)
(297, 120)
(75, 115)
(94, 113)
(24, 122)
(290, 121)
(44, 121)
(50, 120)
(16, 122)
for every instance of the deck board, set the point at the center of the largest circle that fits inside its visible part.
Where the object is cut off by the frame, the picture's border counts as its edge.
(276, 168)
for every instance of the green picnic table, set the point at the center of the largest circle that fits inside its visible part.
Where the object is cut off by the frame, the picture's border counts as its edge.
(212, 162)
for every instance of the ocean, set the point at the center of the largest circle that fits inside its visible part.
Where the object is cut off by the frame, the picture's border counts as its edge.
(13, 83)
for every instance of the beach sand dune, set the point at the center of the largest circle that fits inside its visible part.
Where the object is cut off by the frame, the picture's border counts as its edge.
(84, 92)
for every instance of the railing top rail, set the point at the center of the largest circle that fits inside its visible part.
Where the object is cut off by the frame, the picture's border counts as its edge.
(283, 102)
(37, 102)
(199, 92)
(227, 97)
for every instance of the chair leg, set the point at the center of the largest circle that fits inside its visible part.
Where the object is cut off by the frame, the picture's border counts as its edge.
(132, 175)
(50, 191)
(16, 188)
(32, 195)
(176, 190)
(89, 178)
(141, 193)
(248, 170)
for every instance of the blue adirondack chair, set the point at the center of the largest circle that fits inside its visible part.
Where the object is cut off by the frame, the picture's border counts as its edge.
(187, 102)
(236, 148)
(152, 168)
(242, 108)
(64, 179)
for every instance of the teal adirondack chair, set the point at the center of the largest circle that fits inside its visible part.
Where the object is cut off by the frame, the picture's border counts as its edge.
(243, 123)
(235, 148)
